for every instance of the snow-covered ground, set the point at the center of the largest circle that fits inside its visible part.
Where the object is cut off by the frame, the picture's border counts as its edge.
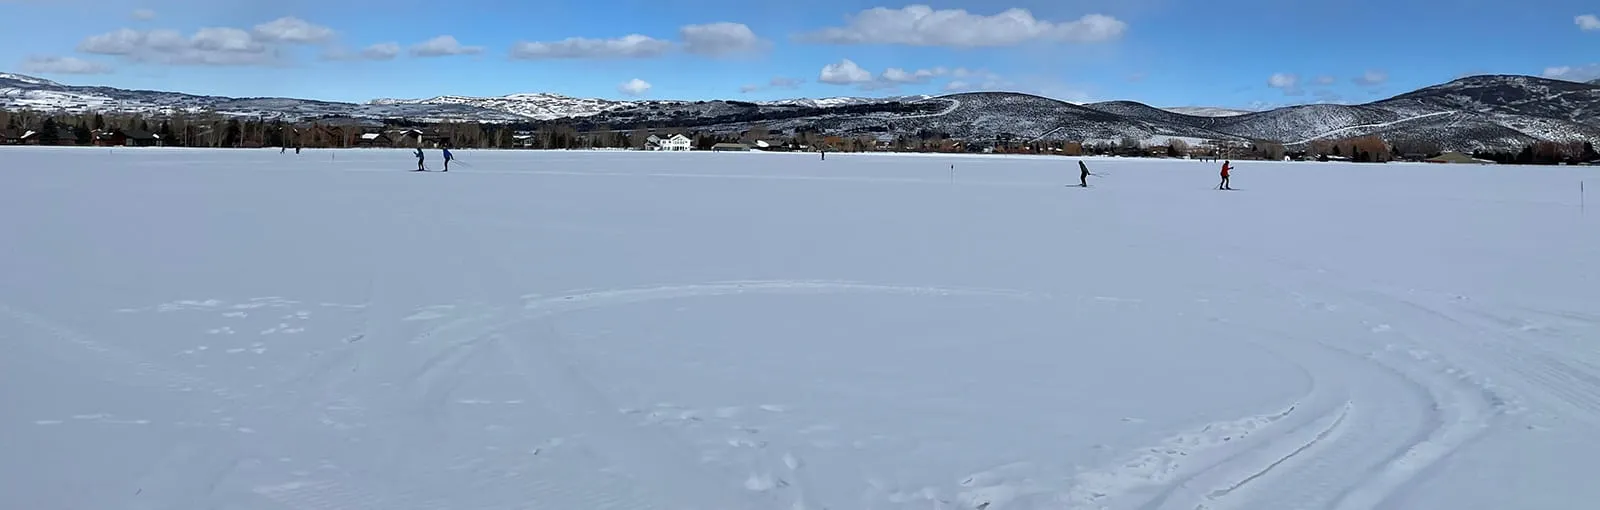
(252, 330)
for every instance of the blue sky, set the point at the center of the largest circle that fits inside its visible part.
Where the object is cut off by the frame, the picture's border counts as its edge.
(1229, 53)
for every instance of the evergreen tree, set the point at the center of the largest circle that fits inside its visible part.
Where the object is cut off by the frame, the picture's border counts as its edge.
(82, 133)
(99, 122)
(230, 137)
(49, 131)
(166, 134)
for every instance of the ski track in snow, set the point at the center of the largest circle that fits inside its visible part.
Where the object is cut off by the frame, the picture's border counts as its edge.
(1365, 429)
(1321, 136)
(1400, 381)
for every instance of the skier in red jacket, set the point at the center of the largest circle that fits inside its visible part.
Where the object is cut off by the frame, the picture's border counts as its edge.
(1226, 166)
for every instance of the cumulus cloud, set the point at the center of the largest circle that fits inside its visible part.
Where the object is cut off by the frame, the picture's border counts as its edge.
(379, 51)
(1587, 22)
(710, 39)
(786, 83)
(847, 72)
(976, 83)
(781, 82)
(144, 14)
(635, 87)
(293, 30)
(1372, 78)
(443, 46)
(723, 38)
(1287, 82)
(844, 72)
(629, 46)
(921, 25)
(62, 65)
(208, 46)
(1580, 73)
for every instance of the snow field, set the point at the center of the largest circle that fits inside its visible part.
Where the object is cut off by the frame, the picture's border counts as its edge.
(246, 329)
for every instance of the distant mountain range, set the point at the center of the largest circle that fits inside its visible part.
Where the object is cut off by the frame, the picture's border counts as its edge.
(1504, 112)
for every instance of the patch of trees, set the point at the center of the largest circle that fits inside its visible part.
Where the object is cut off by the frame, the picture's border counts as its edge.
(1362, 149)
(1544, 153)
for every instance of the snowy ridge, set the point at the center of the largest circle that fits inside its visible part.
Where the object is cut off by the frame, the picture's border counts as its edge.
(1206, 111)
(1499, 112)
(533, 106)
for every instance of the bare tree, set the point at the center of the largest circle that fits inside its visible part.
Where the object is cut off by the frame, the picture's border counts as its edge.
(1177, 148)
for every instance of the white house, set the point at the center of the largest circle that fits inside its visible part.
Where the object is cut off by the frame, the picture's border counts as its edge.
(676, 142)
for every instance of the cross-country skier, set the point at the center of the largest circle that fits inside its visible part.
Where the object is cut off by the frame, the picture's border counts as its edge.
(447, 158)
(419, 160)
(1226, 166)
(1083, 174)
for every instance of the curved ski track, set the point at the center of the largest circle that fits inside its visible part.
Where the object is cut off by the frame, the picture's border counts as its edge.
(1382, 411)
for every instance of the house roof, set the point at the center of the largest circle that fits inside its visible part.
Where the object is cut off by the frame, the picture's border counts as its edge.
(1454, 157)
(371, 136)
(140, 135)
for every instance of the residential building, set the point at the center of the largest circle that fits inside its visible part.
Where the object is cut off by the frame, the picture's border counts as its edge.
(374, 140)
(675, 142)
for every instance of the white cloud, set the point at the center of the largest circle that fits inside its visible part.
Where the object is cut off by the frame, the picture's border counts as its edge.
(1283, 81)
(921, 25)
(442, 46)
(720, 39)
(786, 83)
(635, 87)
(1326, 80)
(898, 75)
(293, 30)
(208, 46)
(1587, 22)
(845, 72)
(62, 65)
(989, 82)
(781, 82)
(1580, 73)
(1372, 78)
(630, 46)
(381, 51)
(144, 14)
(1287, 82)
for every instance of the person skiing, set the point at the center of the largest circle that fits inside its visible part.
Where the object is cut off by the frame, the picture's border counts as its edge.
(420, 168)
(447, 158)
(1226, 166)
(1083, 174)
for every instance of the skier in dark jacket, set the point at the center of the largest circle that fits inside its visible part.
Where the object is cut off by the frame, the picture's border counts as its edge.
(420, 168)
(1083, 174)
(447, 158)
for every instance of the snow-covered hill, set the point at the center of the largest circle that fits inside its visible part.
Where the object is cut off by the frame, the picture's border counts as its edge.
(19, 92)
(1479, 112)
(1207, 111)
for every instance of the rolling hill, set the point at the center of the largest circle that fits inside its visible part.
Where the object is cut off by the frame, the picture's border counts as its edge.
(1478, 112)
